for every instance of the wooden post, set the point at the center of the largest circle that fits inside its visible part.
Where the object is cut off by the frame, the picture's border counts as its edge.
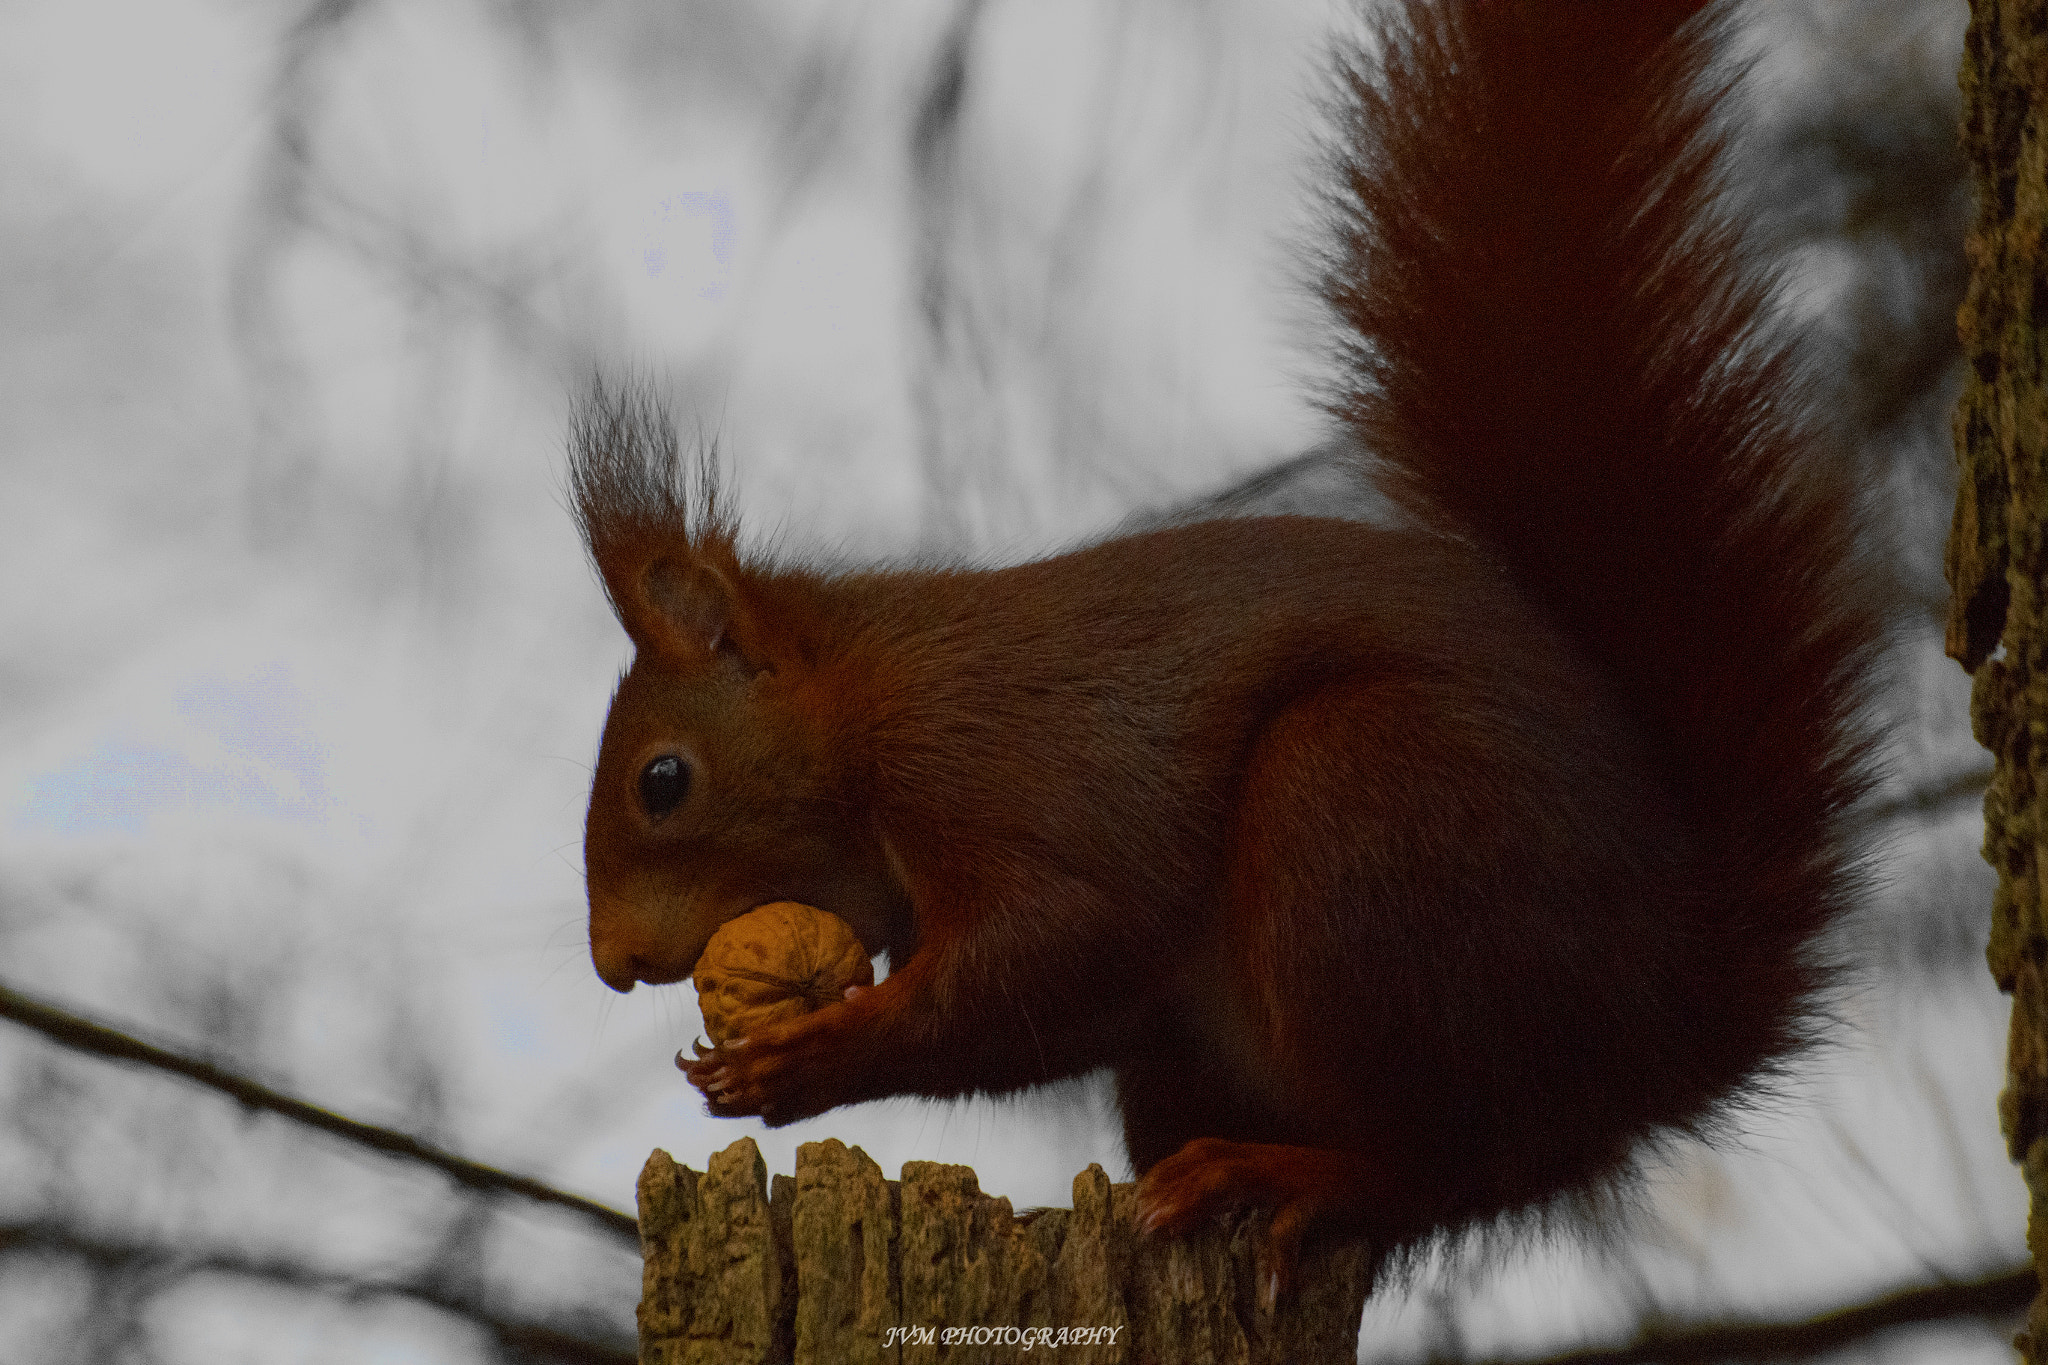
(841, 1267)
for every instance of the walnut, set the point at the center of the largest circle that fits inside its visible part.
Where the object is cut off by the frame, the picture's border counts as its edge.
(774, 963)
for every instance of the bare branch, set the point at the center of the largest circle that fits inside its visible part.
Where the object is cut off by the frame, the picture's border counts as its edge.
(1996, 1296)
(573, 1338)
(74, 1031)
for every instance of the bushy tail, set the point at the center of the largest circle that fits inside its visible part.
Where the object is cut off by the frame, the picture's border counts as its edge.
(1554, 347)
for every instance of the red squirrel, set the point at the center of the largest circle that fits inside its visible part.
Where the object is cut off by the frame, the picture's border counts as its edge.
(1403, 877)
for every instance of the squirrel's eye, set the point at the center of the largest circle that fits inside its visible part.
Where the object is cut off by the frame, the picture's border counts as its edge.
(664, 783)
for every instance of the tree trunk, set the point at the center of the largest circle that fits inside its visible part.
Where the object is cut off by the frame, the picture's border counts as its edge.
(1996, 552)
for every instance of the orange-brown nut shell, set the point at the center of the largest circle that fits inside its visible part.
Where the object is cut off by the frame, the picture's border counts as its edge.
(774, 963)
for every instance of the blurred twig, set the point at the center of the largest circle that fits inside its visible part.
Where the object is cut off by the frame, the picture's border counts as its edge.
(1936, 800)
(572, 1340)
(75, 1031)
(2004, 1294)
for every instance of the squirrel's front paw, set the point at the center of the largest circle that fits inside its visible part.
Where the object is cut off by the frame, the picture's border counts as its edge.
(782, 1073)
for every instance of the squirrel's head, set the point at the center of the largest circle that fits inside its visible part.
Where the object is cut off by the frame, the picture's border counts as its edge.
(721, 781)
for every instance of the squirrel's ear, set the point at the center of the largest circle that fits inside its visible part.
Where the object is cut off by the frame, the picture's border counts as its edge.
(681, 606)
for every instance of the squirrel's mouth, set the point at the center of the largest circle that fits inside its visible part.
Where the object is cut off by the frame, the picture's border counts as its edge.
(627, 950)
(623, 975)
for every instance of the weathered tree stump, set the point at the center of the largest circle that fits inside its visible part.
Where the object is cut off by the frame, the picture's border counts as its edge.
(841, 1267)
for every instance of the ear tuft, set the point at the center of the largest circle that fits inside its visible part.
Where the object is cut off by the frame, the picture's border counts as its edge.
(650, 517)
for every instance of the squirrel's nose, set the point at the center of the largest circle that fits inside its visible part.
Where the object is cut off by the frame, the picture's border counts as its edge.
(616, 967)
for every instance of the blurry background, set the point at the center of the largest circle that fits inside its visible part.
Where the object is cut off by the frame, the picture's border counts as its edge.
(302, 669)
